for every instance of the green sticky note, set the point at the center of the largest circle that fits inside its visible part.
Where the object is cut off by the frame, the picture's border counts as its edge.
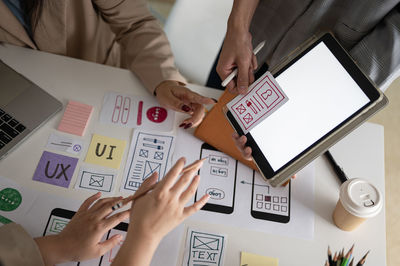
(10, 199)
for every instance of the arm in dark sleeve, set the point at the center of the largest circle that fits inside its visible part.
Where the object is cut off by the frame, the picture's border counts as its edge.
(378, 53)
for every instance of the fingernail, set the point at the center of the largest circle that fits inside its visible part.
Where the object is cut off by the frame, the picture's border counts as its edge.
(182, 125)
(185, 108)
(242, 88)
(215, 100)
(188, 125)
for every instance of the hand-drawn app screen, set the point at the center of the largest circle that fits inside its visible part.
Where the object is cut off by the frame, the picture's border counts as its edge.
(322, 95)
(108, 258)
(218, 178)
(58, 220)
(268, 202)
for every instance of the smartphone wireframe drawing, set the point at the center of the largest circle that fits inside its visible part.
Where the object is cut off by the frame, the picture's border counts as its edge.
(268, 202)
(59, 218)
(218, 179)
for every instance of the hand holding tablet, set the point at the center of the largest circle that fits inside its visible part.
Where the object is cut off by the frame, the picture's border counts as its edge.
(328, 97)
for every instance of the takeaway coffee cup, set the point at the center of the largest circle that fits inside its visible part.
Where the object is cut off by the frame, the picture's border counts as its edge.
(358, 201)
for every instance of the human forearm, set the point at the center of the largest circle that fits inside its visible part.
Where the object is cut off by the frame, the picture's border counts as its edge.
(49, 249)
(241, 15)
(137, 249)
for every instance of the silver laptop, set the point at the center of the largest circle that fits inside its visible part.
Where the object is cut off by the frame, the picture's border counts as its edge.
(23, 108)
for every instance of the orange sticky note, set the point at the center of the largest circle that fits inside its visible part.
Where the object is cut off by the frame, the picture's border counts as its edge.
(76, 118)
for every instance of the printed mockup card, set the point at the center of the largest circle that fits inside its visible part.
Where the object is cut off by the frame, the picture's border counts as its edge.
(264, 97)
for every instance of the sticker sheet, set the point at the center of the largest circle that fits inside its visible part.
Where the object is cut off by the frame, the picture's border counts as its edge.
(149, 153)
(132, 111)
(204, 248)
(63, 143)
(96, 179)
(264, 97)
(105, 151)
(55, 169)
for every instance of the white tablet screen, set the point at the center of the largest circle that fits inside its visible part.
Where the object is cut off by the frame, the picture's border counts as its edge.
(321, 96)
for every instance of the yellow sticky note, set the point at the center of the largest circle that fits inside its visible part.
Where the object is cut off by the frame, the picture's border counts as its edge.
(105, 151)
(250, 259)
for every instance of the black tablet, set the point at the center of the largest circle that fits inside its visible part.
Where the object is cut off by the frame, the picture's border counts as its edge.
(329, 96)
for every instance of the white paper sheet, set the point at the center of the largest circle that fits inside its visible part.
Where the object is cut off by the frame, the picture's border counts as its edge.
(63, 143)
(204, 248)
(301, 223)
(149, 152)
(135, 111)
(96, 179)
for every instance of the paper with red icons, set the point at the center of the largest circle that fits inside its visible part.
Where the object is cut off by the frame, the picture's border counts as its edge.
(136, 111)
(264, 97)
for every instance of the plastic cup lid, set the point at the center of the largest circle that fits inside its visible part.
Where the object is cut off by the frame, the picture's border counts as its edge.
(360, 198)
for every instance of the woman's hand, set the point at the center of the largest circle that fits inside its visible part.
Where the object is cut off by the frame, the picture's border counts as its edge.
(173, 95)
(240, 142)
(81, 238)
(158, 212)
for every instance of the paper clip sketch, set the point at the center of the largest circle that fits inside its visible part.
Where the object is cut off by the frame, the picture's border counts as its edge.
(135, 111)
(121, 110)
(149, 153)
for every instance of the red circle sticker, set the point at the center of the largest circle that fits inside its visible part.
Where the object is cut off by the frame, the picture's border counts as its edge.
(157, 114)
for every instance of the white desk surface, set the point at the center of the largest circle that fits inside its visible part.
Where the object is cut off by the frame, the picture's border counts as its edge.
(361, 154)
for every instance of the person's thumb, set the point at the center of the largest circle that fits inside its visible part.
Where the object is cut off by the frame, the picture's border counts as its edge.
(109, 244)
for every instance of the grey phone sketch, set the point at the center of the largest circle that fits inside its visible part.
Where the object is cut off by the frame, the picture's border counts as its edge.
(218, 179)
(268, 202)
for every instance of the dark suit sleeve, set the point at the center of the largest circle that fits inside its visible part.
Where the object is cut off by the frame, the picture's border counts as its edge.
(378, 53)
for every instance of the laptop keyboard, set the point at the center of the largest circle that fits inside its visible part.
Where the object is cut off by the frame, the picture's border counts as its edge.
(9, 128)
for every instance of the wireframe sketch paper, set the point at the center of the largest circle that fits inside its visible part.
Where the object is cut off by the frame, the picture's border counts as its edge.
(105, 151)
(149, 152)
(96, 179)
(63, 143)
(204, 248)
(252, 196)
(135, 111)
(264, 97)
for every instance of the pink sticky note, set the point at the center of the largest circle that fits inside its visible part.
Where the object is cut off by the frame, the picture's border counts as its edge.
(76, 118)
